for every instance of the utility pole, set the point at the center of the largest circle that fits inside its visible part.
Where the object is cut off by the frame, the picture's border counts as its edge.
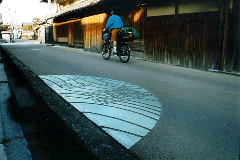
(10, 24)
(15, 14)
(49, 5)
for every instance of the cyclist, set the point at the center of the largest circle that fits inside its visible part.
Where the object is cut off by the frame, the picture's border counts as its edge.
(114, 23)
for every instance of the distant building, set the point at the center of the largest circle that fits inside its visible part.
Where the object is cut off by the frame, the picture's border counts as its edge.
(27, 23)
(27, 33)
(6, 35)
(17, 30)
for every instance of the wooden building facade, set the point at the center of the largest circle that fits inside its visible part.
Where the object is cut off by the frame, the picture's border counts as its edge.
(184, 33)
(85, 32)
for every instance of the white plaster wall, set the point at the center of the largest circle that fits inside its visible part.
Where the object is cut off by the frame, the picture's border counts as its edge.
(196, 7)
(6, 37)
(43, 34)
(190, 7)
(161, 11)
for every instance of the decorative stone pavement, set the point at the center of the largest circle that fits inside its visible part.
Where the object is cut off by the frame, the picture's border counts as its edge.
(127, 112)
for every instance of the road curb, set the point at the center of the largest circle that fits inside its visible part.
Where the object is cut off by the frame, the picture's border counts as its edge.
(13, 144)
(99, 144)
(3, 81)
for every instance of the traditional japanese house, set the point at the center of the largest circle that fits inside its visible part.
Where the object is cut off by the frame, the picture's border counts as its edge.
(200, 34)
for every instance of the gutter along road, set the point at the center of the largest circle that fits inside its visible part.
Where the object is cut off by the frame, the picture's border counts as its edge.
(197, 115)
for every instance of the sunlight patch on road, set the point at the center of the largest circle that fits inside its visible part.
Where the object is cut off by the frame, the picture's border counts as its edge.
(126, 112)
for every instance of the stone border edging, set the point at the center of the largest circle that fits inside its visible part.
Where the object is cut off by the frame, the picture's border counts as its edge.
(85, 132)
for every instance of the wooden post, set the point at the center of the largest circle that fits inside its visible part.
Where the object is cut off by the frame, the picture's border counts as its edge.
(70, 34)
(54, 33)
(176, 47)
(225, 36)
(220, 38)
(49, 5)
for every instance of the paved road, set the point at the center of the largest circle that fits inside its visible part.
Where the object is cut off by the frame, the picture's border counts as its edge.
(200, 110)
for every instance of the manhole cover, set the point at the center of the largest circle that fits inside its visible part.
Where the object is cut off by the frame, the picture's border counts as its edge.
(127, 112)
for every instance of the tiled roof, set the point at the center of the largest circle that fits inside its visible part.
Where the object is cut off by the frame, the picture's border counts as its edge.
(74, 8)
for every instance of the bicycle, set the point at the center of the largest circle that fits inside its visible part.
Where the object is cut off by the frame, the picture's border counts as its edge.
(123, 49)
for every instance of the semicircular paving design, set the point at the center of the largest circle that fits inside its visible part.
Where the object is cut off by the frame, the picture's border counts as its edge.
(127, 112)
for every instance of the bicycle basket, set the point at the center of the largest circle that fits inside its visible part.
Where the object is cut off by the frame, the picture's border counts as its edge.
(128, 34)
(127, 37)
(106, 36)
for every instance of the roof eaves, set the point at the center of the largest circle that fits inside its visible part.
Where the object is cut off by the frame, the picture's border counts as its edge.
(74, 8)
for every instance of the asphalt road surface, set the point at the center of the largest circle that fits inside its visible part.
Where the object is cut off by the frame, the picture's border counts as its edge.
(200, 110)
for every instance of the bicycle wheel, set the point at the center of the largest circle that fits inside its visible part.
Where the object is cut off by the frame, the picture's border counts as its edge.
(106, 51)
(124, 53)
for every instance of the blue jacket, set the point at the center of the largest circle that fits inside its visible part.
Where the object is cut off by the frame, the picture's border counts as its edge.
(114, 21)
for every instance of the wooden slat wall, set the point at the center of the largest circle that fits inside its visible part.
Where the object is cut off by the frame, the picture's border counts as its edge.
(93, 26)
(77, 31)
(78, 34)
(55, 33)
(61, 33)
(136, 19)
(188, 42)
(85, 32)
(62, 30)
(70, 34)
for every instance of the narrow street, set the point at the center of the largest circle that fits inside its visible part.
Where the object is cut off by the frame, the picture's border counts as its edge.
(199, 116)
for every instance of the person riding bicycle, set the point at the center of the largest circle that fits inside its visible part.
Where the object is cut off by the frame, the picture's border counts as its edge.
(114, 23)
